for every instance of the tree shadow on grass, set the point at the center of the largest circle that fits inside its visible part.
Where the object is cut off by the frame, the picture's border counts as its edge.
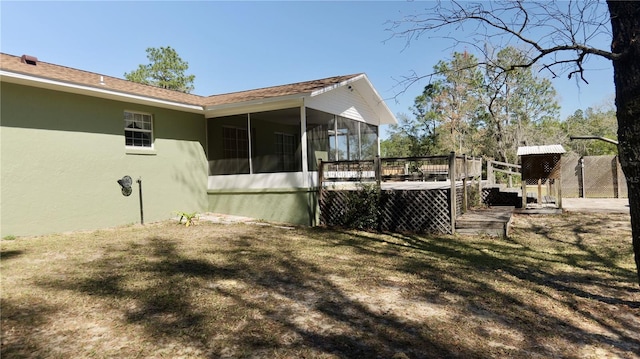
(252, 304)
(19, 324)
(482, 266)
(9, 254)
(255, 298)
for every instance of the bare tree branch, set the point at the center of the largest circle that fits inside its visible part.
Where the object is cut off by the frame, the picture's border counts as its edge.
(555, 35)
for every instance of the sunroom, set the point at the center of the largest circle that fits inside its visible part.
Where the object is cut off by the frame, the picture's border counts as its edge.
(263, 145)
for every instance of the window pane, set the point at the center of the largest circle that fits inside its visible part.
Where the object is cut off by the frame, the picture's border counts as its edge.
(138, 129)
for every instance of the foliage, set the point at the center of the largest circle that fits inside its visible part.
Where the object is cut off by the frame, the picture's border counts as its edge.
(515, 102)
(444, 113)
(166, 70)
(455, 103)
(479, 113)
(363, 207)
(9, 237)
(593, 122)
(189, 218)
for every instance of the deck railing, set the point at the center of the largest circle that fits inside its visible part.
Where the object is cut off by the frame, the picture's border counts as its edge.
(455, 172)
(509, 169)
(393, 169)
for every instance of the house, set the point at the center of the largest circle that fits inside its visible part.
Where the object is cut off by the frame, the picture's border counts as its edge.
(68, 135)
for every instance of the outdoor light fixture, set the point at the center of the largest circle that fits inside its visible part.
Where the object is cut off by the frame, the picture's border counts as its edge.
(125, 185)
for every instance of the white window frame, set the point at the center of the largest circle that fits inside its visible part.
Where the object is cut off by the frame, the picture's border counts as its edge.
(143, 118)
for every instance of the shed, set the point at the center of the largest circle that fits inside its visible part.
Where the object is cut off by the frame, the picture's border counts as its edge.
(541, 169)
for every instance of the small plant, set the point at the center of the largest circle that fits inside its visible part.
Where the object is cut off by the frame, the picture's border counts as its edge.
(188, 217)
(9, 237)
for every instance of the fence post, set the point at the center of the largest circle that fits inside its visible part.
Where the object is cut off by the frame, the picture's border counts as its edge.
(581, 179)
(452, 196)
(479, 176)
(616, 177)
(465, 193)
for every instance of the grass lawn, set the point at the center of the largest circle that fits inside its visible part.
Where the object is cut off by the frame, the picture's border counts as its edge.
(561, 287)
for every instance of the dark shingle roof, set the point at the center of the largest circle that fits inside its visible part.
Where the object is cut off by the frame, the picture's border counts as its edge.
(69, 75)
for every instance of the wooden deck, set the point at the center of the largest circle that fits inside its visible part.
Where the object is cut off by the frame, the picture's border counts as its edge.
(494, 221)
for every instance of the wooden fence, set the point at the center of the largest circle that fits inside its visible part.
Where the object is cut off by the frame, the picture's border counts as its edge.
(416, 194)
(592, 177)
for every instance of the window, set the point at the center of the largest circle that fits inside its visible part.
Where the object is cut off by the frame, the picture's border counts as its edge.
(235, 142)
(285, 152)
(235, 150)
(138, 129)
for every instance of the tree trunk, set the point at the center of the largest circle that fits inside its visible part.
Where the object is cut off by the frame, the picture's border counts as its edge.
(625, 26)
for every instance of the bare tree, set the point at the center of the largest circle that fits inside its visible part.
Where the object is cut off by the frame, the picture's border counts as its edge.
(557, 37)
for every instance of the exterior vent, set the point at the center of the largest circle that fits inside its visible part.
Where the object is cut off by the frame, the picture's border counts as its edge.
(29, 60)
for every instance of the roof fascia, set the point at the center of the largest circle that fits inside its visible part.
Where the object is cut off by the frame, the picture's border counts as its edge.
(387, 117)
(335, 86)
(34, 81)
(259, 105)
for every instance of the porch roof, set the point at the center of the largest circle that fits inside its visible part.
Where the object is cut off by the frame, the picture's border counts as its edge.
(299, 88)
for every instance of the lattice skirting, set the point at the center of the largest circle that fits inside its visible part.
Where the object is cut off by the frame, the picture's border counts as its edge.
(397, 210)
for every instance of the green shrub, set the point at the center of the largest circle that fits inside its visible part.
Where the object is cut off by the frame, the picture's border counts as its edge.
(363, 207)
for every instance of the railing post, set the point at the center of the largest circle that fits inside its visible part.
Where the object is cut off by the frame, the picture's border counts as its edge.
(490, 178)
(320, 186)
(378, 169)
(452, 196)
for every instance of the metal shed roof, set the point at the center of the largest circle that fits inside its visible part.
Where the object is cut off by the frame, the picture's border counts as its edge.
(540, 150)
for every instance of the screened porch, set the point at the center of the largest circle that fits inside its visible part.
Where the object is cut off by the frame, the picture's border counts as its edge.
(280, 148)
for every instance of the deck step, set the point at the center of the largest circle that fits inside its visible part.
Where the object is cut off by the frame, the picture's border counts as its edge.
(494, 221)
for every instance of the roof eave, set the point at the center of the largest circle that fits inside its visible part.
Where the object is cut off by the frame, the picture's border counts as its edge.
(262, 104)
(35, 81)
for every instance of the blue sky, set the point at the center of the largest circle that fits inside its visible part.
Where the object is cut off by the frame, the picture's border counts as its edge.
(234, 46)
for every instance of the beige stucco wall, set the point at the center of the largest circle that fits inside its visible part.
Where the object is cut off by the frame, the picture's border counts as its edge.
(61, 155)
